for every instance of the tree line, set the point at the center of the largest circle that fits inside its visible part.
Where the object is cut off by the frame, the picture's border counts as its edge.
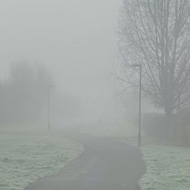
(23, 94)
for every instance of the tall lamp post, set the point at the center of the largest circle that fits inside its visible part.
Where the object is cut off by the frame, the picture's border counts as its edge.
(48, 93)
(140, 79)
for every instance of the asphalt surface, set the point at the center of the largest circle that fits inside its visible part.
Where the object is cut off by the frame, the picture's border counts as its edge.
(105, 164)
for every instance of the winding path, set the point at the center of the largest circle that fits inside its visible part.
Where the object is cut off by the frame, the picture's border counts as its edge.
(105, 164)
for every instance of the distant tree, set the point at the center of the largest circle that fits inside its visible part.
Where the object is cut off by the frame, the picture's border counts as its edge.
(156, 34)
(23, 95)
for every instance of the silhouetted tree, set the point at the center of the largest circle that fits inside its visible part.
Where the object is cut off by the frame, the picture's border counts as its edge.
(156, 34)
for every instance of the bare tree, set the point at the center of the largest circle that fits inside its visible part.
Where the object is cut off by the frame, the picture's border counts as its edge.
(156, 34)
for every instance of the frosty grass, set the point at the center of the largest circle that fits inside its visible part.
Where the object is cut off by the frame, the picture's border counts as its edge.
(168, 168)
(26, 159)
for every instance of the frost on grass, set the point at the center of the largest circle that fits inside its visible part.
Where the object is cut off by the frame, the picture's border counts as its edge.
(168, 168)
(26, 159)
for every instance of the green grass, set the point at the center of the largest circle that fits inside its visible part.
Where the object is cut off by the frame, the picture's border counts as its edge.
(168, 168)
(25, 159)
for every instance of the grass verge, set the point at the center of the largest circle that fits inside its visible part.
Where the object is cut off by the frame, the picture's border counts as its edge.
(168, 168)
(25, 159)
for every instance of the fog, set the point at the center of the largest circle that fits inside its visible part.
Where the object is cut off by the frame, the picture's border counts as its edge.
(76, 42)
(100, 87)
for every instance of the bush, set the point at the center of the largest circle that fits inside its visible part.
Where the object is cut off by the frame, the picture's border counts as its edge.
(155, 125)
(182, 129)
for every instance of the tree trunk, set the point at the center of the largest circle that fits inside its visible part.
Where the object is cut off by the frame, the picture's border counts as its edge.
(169, 125)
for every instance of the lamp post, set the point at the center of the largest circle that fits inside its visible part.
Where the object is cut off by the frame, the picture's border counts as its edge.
(140, 79)
(48, 93)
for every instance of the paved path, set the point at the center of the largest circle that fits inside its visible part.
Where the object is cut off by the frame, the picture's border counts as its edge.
(105, 164)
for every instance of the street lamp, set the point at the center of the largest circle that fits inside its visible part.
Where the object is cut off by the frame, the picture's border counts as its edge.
(48, 92)
(140, 79)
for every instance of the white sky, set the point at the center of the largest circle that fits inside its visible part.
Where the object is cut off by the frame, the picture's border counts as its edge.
(75, 39)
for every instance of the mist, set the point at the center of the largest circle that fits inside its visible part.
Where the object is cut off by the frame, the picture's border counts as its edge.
(75, 41)
(76, 44)
(94, 94)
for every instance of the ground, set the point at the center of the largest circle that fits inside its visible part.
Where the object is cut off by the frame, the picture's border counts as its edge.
(105, 164)
(167, 168)
(25, 159)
